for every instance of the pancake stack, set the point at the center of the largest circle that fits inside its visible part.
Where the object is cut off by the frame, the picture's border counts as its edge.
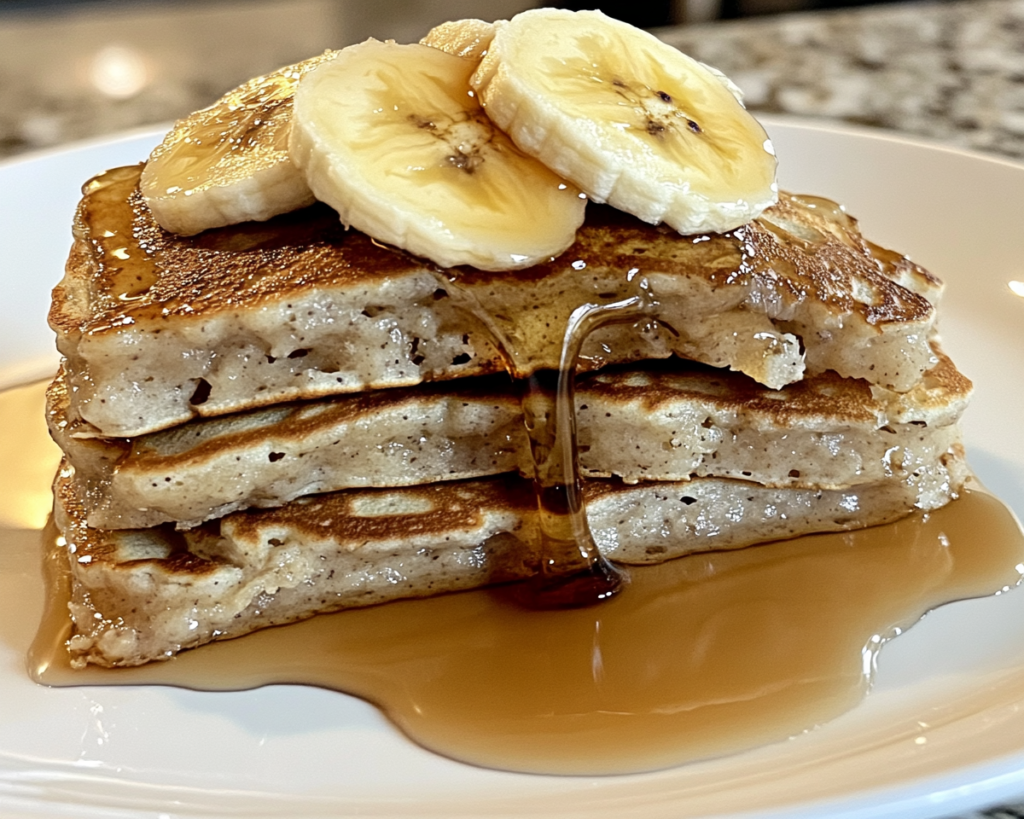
(268, 420)
(210, 488)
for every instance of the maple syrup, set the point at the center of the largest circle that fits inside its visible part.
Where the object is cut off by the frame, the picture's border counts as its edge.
(572, 570)
(705, 655)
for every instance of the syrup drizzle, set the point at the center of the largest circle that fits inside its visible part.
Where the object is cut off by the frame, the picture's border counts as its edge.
(573, 571)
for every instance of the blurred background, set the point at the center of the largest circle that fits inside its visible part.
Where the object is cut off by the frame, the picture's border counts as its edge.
(74, 69)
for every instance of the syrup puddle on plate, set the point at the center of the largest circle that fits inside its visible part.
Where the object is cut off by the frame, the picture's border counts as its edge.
(699, 657)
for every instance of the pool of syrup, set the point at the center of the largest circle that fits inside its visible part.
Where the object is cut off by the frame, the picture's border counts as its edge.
(699, 657)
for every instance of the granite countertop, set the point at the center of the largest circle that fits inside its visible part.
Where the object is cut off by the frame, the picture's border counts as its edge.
(951, 71)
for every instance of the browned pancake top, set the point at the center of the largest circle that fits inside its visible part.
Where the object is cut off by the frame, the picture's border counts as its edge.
(803, 248)
(301, 419)
(380, 515)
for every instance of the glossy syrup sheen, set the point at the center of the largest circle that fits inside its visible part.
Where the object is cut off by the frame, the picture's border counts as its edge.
(699, 657)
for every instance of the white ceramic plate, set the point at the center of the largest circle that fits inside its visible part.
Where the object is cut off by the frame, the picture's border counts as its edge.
(943, 730)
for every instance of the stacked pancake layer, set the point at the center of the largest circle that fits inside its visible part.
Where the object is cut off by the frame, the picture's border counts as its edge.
(263, 422)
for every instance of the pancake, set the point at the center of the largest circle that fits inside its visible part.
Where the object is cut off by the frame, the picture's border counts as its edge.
(144, 595)
(680, 420)
(269, 421)
(158, 329)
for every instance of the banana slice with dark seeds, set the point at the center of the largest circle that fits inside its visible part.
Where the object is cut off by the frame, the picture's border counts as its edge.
(629, 119)
(393, 138)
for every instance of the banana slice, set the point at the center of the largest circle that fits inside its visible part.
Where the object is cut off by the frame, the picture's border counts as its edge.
(463, 38)
(627, 118)
(392, 137)
(229, 163)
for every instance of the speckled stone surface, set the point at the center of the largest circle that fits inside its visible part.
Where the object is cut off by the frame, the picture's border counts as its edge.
(949, 71)
(105, 66)
(952, 71)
